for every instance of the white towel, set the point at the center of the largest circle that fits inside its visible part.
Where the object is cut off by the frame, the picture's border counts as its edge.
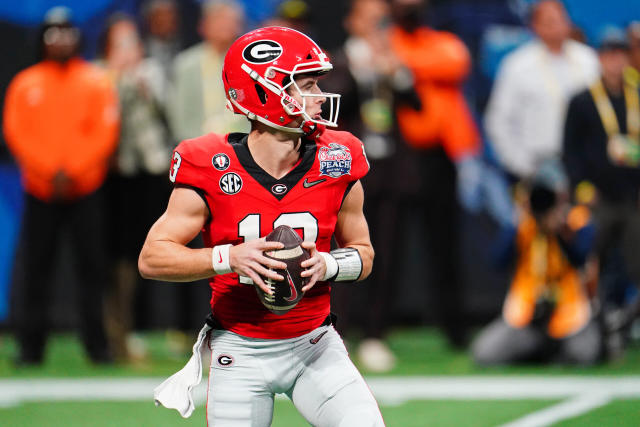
(175, 391)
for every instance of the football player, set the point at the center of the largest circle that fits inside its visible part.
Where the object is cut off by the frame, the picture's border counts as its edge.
(236, 188)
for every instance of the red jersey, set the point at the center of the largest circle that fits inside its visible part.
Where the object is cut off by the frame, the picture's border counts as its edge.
(246, 203)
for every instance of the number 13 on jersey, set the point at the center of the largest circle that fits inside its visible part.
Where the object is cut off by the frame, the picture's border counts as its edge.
(249, 227)
(175, 165)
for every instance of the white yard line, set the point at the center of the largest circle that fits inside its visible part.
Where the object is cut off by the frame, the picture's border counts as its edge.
(570, 408)
(401, 389)
(583, 393)
(13, 392)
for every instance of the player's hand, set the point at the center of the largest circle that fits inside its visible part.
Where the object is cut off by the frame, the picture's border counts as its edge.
(247, 259)
(314, 267)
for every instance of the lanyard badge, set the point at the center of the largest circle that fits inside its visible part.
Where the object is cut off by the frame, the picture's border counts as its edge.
(623, 149)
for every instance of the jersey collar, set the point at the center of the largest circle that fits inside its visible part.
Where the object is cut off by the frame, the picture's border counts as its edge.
(276, 187)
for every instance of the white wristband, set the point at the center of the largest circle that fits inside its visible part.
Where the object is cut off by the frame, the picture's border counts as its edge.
(349, 264)
(332, 266)
(220, 259)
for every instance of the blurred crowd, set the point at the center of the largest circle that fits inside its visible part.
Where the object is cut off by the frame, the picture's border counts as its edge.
(553, 161)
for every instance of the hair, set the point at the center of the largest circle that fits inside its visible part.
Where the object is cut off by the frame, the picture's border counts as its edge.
(534, 9)
(210, 6)
(353, 3)
(634, 29)
(41, 50)
(541, 199)
(547, 186)
(149, 5)
(112, 20)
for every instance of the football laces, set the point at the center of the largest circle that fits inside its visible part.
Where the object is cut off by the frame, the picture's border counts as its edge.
(270, 282)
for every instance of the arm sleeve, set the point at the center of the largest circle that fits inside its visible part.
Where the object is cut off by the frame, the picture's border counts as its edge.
(503, 249)
(445, 59)
(460, 136)
(580, 245)
(503, 120)
(572, 152)
(103, 129)
(19, 128)
(184, 103)
(174, 104)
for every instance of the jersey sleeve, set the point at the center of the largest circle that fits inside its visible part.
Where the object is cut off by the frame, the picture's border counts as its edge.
(188, 165)
(360, 163)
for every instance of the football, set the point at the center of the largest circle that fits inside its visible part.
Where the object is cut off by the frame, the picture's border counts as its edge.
(288, 292)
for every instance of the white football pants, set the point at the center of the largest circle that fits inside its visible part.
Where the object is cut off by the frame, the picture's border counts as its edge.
(313, 370)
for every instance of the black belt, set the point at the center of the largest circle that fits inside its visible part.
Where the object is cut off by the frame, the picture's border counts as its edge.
(331, 319)
(215, 324)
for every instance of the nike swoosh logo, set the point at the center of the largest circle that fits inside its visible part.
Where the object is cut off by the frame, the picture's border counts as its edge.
(292, 288)
(316, 339)
(309, 184)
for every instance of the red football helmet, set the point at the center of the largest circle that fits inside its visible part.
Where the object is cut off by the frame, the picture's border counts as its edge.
(262, 64)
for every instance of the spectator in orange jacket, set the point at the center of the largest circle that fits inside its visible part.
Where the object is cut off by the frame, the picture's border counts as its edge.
(440, 63)
(61, 125)
(441, 129)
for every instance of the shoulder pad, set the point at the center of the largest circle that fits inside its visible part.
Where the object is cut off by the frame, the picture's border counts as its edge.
(191, 159)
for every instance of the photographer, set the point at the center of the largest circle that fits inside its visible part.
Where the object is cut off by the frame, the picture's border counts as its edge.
(547, 314)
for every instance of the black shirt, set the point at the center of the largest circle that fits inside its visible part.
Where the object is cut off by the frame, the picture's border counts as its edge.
(585, 150)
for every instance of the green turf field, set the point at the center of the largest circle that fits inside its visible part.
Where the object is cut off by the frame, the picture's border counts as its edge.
(421, 352)
(412, 414)
(618, 413)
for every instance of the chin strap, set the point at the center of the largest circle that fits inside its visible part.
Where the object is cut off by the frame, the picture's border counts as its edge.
(312, 130)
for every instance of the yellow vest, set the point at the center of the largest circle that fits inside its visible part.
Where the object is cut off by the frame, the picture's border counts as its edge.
(544, 272)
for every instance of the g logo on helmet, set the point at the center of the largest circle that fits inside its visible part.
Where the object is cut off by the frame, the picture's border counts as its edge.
(262, 51)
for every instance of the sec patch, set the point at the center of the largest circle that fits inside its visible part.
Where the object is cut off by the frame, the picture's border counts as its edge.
(230, 183)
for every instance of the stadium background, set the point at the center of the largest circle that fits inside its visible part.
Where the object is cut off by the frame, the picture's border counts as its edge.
(490, 28)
